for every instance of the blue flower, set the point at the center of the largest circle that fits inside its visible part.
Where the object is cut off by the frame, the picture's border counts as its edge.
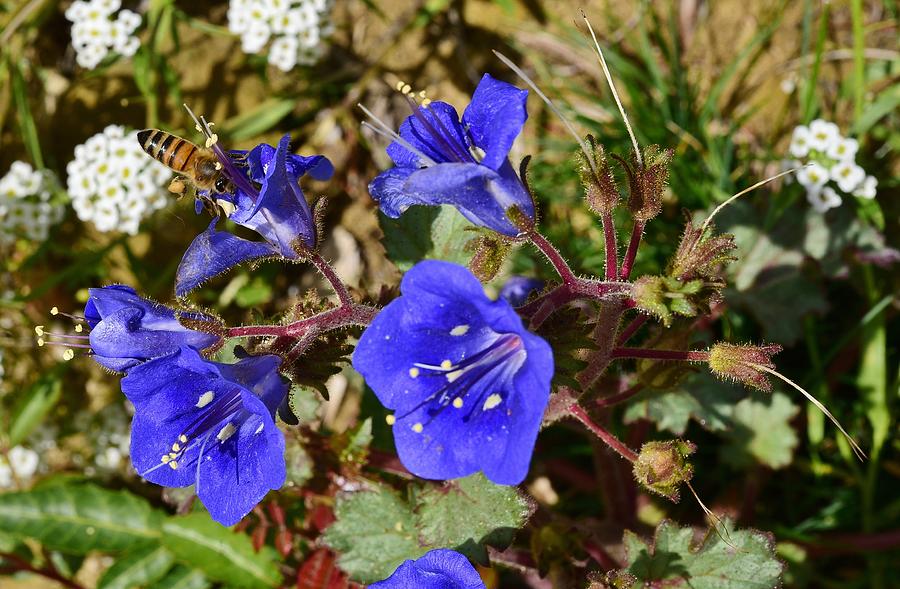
(438, 569)
(468, 383)
(278, 212)
(212, 425)
(517, 288)
(464, 164)
(127, 329)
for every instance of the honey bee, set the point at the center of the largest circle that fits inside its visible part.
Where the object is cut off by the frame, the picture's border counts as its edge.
(195, 163)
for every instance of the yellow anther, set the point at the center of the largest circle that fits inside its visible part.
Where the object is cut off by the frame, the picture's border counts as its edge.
(218, 165)
(79, 328)
(165, 458)
(426, 102)
(422, 94)
(390, 419)
(176, 447)
(39, 330)
(198, 127)
(40, 342)
(182, 438)
(68, 355)
(400, 85)
(173, 464)
(413, 372)
(446, 364)
(458, 402)
(406, 89)
(211, 140)
(418, 428)
(54, 311)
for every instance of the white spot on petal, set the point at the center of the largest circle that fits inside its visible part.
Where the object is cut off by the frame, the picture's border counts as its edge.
(205, 399)
(458, 402)
(460, 330)
(226, 432)
(492, 401)
(418, 428)
(413, 372)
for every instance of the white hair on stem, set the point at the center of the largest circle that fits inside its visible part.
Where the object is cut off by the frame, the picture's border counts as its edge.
(856, 449)
(612, 88)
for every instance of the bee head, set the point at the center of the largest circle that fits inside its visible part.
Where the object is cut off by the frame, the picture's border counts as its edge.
(223, 185)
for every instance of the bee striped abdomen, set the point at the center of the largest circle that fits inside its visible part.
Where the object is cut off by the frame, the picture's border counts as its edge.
(168, 149)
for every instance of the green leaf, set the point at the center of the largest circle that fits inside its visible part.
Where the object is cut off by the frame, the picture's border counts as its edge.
(79, 518)
(492, 515)
(27, 128)
(258, 120)
(137, 568)
(182, 577)
(254, 294)
(221, 554)
(761, 432)
(702, 398)
(888, 101)
(376, 530)
(738, 559)
(34, 405)
(426, 232)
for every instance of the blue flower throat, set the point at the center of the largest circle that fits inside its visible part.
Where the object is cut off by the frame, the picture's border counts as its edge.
(494, 363)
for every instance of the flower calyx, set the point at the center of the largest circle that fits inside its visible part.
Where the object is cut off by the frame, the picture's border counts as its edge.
(647, 182)
(600, 189)
(662, 467)
(743, 363)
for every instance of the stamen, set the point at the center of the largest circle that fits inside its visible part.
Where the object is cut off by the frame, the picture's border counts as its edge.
(394, 136)
(390, 419)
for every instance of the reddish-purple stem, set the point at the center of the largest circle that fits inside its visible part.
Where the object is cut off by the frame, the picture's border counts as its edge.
(630, 255)
(20, 564)
(331, 276)
(612, 248)
(553, 255)
(327, 320)
(629, 331)
(651, 354)
(620, 397)
(606, 437)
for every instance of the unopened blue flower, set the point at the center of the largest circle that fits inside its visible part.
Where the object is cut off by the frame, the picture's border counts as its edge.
(212, 425)
(460, 163)
(467, 382)
(127, 329)
(438, 569)
(278, 211)
(517, 289)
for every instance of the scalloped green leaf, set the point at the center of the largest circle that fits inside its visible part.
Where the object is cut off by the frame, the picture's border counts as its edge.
(729, 559)
(426, 232)
(137, 568)
(376, 530)
(221, 554)
(79, 518)
(761, 432)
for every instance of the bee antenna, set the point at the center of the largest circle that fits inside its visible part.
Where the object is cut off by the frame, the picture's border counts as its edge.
(201, 124)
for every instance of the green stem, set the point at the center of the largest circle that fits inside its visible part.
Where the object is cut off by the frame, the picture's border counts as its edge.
(808, 105)
(859, 64)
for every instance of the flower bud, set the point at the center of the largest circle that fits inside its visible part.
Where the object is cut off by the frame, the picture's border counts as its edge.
(490, 252)
(600, 188)
(700, 253)
(648, 182)
(661, 466)
(741, 363)
(662, 296)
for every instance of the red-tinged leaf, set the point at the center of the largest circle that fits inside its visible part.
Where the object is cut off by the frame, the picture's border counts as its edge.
(259, 537)
(321, 517)
(320, 572)
(277, 514)
(284, 542)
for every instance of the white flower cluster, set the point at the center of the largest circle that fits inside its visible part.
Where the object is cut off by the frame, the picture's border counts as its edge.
(95, 32)
(296, 29)
(828, 156)
(113, 183)
(19, 464)
(26, 203)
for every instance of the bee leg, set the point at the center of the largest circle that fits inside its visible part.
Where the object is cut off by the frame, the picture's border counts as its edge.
(177, 186)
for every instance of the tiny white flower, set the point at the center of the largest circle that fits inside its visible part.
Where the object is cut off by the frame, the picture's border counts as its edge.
(848, 176)
(800, 142)
(844, 149)
(812, 177)
(128, 47)
(106, 6)
(128, 20)
(256, 37)
(823, 199)
(77, 11)
(867, 189)
(822, 135)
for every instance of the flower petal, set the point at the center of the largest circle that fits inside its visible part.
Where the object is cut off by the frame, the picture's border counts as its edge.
(437, 569)
(317, 166)
(435, 131)
(495, 118)
(212, 253)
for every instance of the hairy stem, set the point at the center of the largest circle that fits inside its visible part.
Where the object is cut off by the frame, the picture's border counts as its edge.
(610, 440)
(326, 270)
(651, 354)
(630, 255)
(632, 328)
(620, 397)
(336, 318)
(549, 250)
(611, 247)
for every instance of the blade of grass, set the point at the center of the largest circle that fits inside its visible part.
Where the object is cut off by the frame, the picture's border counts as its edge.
(808, 105)
(25, 117)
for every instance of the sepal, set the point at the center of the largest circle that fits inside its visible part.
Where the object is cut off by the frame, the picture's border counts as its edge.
(662, 467)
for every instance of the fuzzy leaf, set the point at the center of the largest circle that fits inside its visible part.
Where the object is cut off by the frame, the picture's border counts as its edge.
(137, 568)
(761, 432)
(701, 398)
(77, 519)
(673, 561)
(376, 530)
(426, 232)
(221, 554)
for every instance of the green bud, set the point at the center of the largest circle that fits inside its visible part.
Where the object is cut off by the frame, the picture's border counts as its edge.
(663, 296)
(739, 363)
(662, 467)
(647, 183)
(490, 252)
(600, 189)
